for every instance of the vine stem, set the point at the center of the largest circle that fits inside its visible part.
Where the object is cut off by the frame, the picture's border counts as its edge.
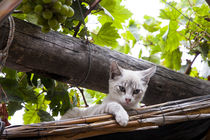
(92, 6)
(83, 96)
(189, 67)
(2, 90)
(189, 3)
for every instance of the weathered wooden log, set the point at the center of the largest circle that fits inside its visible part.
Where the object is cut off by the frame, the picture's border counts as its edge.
(70, 60)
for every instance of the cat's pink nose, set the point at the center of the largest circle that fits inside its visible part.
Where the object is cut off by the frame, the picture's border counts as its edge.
(128, 100)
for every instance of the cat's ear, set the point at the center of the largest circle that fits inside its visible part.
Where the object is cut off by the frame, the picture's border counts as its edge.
(115, 70)
(147, 74)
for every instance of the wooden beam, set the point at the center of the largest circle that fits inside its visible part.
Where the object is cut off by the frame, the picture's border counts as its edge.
(66, 59)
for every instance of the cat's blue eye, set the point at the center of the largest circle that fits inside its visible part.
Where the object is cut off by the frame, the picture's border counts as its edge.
(122, 89)
(136, 91)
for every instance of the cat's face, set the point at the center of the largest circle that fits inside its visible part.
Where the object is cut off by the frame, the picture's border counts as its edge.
(128, 87)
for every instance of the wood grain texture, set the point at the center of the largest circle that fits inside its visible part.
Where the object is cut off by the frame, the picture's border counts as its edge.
(65, 58)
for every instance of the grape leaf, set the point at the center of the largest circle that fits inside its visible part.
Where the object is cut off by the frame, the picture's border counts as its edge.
(13, 107)
(172, 59)
(59, 97)
(119, 12)
(154, 42)
(171, 37)
(126, 48)
(31, 18)
(152, 58)
(106, 36)
(129, 37)
(9, 83)
(10, 73)
(155, 49)
(28, 94)
(19, 15)
(45, 116)
(22, 80)
(203, 10)
(150, 24)
(170, 13)
(204, 48)
(42, 103)
(31, 114)
(140, 53)
(107, 13)
(48, 83)
(194, 72)
(34, 80)
(29, 76)
(97, 95)
(134, 28)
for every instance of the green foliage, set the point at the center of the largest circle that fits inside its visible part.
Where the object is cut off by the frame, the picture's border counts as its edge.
(31, 114)
(171, 37)
(45, 116)
(128, 36)
(117, 13)
(187, 27)
(152, 58)
(36, 94)
(106, 36)
(202, 11)
(172, 59)
(60, 101)
(170, 13)
(13, 107)
(16, 87)
(194, 73)
(97, 95)
(151, 24)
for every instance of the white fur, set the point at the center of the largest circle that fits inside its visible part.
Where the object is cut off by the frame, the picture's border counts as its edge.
(115, 102)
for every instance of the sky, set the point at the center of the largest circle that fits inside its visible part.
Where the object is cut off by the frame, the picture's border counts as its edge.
(139, 9)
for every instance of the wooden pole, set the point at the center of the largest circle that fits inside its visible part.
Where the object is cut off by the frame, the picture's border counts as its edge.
(67, 59)
(6, 7)
(151, 116)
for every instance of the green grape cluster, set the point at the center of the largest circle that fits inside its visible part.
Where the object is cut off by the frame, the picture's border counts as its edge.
(50, 13)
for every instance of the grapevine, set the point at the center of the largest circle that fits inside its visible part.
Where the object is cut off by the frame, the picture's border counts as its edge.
(50, 14)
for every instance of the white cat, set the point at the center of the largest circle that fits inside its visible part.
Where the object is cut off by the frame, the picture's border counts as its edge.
(126, 90)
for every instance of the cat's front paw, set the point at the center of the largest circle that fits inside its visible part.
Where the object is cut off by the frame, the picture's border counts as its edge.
(122, 119)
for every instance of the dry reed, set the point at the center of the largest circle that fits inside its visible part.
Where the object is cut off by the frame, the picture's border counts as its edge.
(143, 118)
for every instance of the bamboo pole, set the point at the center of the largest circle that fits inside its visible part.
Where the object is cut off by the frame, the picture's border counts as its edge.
(150, 116)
